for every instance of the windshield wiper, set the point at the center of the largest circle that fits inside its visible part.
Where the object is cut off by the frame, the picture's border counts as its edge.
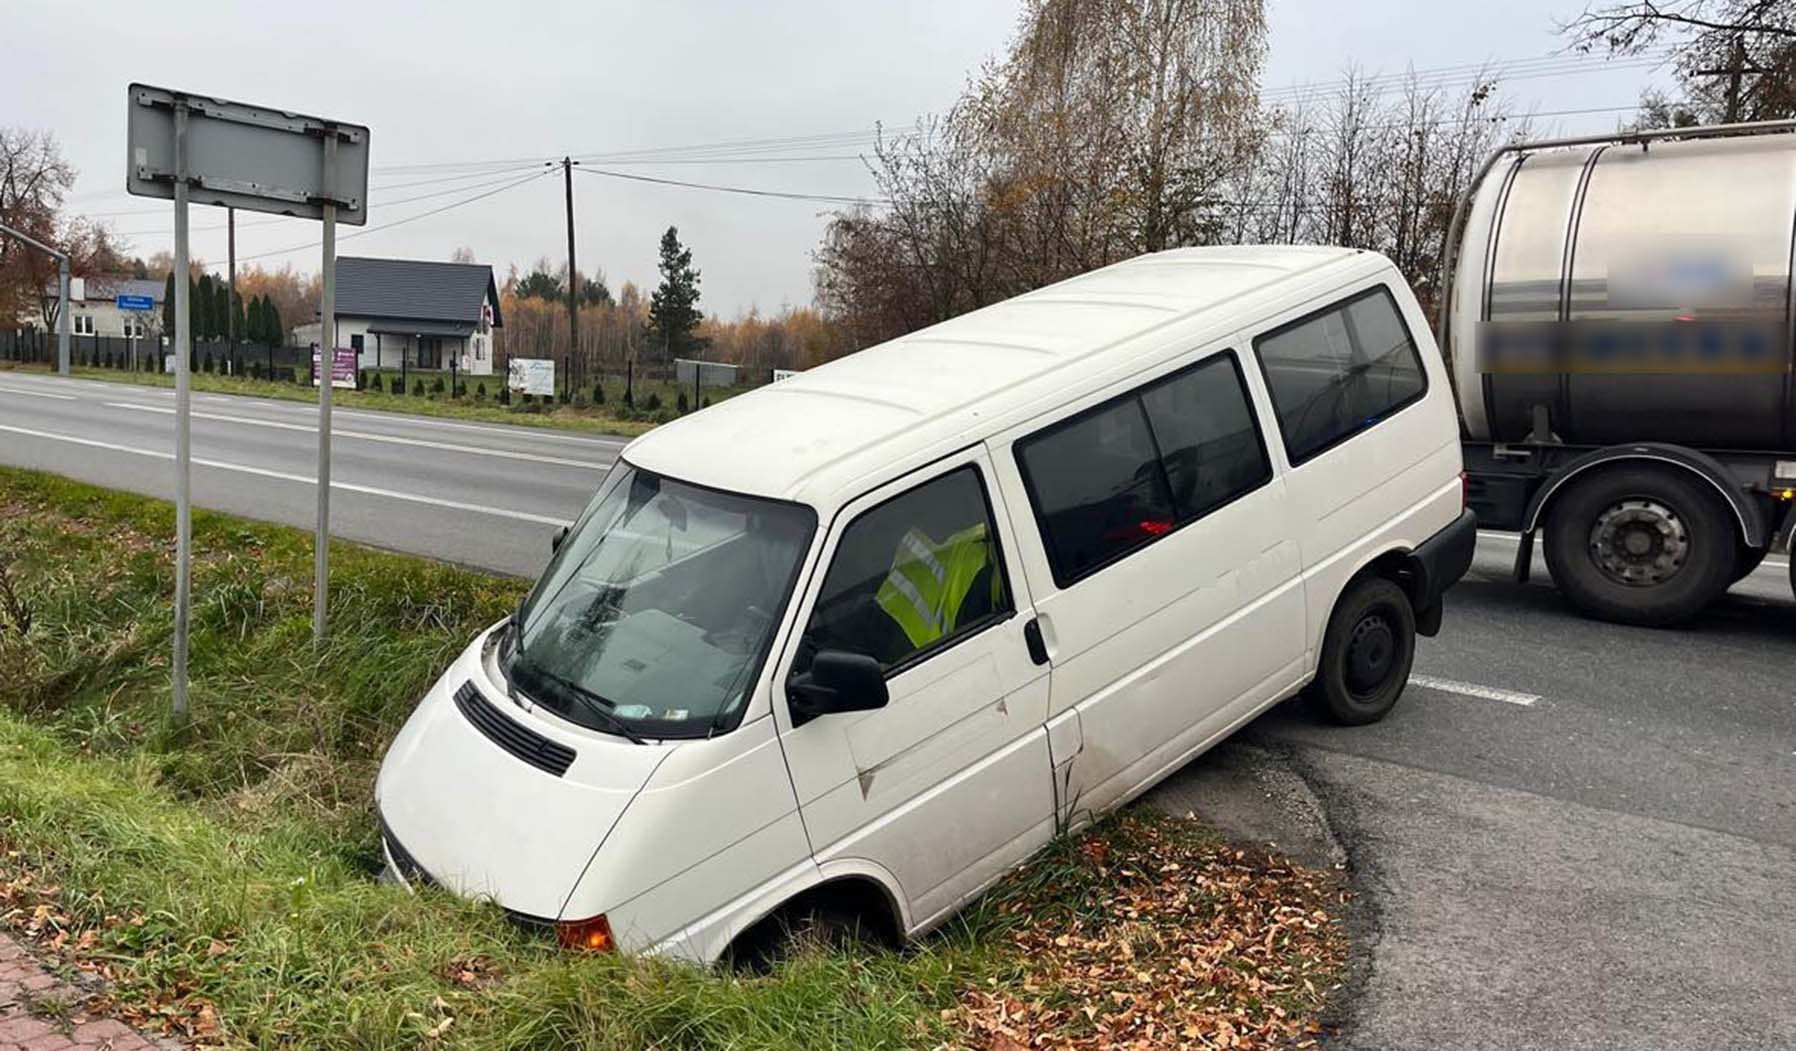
(589, 700)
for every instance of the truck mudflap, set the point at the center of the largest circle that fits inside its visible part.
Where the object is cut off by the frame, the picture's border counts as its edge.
(1437, 564)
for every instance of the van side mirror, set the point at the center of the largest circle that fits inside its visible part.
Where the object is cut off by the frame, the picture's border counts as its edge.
(555, 541)
(838, 681)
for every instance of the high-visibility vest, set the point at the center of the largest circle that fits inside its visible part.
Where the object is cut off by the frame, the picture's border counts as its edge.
(929, 582)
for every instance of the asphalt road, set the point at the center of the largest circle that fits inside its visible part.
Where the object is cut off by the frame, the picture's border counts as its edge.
(477, 494)
(1568, 835)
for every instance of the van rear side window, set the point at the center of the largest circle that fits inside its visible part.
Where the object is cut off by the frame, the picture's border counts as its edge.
(1125, 473)
(1339, 371)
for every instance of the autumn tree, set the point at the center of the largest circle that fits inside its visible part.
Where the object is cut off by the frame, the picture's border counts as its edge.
(1735, 60)
(673, 309)
(34, 179)
(1105, 131)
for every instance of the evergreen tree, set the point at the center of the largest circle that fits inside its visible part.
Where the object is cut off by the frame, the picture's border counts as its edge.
(168, 307)
(275, 332)
(203, 310)
(673, 309)
(252, 321)
(237, 318)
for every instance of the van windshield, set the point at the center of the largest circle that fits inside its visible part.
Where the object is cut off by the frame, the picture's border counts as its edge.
(656, 612)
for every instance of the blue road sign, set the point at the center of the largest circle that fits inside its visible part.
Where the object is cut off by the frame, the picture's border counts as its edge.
(142, 303)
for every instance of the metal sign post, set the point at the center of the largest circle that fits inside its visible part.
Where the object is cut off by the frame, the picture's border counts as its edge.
(327, 377)
(135, 305)
(183, 417)
(192, 147)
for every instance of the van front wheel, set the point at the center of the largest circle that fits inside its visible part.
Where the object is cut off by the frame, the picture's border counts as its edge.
(1366, 653)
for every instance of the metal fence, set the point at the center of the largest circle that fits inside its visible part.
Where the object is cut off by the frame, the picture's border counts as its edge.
(31, 345)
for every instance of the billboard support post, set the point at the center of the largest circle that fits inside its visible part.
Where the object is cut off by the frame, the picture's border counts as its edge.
(266, 160)
(327, 379)
(183, 433)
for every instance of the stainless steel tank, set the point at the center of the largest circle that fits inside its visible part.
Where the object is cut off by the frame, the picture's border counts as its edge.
(1632, 289)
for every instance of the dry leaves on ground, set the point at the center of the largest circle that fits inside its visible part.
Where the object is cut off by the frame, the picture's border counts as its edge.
(1155, 936)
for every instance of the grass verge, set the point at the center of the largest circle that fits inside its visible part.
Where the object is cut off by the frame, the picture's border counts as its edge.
(218, 874)
(561, 417)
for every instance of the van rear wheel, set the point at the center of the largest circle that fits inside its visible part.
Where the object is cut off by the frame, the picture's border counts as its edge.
(1367, 653)
(1640, 545)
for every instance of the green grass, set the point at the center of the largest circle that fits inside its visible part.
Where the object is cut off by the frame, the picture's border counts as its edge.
(597, 419)
(222, 868)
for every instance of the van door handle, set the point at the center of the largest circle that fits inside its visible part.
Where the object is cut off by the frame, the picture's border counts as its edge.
(1038, 650)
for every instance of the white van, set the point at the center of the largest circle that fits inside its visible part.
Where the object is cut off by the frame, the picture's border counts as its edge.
(850, 647)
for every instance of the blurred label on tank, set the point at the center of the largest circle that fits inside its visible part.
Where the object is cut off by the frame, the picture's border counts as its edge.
(1680, 346)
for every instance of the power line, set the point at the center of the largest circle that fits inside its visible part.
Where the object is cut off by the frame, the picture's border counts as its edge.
(783, 194)
(372, 204)
(366, 230)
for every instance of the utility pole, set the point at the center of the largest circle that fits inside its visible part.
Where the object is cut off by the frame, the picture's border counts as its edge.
(1735, 72)
(573, 275)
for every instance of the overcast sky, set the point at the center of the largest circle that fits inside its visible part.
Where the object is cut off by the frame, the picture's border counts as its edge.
(453, 82)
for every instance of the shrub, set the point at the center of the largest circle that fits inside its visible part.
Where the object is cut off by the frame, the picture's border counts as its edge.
(479, 392)
(652, 403)
(417, 388)
(436, 386)
(598, 393)
(505, 395)
(361, 379)
(206, 362)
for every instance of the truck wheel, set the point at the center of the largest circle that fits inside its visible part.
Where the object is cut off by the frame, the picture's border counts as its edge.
(1640, 546)
(1367, 653)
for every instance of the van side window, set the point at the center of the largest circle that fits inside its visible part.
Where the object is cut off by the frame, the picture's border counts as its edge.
(1339, 371)
(911, 576)
(1129, 471)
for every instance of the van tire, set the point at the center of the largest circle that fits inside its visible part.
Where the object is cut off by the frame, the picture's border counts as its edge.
(1367, 652)
(1687, 556)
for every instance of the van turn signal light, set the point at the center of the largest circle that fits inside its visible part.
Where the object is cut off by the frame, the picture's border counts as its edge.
(588, 935)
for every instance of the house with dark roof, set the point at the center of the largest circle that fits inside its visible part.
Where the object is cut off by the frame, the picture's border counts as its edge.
(415, 313)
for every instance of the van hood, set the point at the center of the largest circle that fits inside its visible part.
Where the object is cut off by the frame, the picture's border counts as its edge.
(460, 809)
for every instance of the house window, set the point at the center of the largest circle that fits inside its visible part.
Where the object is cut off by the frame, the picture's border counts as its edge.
(83, 324)
(355, 343)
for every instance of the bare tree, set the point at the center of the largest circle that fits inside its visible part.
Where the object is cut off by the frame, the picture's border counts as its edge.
(1735, 59)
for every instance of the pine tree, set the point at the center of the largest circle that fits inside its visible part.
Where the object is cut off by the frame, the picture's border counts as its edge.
(202, 311)
(252, 321)
(673, 309)
(168, 308)
(271, 318)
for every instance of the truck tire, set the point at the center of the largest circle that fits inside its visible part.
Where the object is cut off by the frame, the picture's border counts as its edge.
(1367, 653)
(1640, 545)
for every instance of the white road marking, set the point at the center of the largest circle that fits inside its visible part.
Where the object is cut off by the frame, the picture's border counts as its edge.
(37, 393)
(264, 472)
(396, 418)
(368, 436)
(1468, 689)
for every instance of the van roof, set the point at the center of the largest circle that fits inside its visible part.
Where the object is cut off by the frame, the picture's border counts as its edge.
(808, 437)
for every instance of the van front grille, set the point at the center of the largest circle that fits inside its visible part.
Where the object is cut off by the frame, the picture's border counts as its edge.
(521, 741)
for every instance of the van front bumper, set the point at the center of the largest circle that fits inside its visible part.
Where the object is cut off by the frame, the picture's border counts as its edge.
(1437, 564)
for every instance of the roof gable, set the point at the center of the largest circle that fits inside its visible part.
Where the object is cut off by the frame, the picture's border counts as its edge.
(417, 289)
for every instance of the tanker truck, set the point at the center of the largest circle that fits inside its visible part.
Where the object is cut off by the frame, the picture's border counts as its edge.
(1617, 312)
